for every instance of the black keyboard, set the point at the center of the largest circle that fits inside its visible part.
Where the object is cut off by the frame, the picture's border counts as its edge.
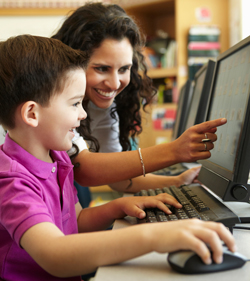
(196, 202)
(173, 170)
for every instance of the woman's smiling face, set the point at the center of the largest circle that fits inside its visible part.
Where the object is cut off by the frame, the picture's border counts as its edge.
(108, 72)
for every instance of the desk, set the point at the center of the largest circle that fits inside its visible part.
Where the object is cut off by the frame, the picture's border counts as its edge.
(154, 266)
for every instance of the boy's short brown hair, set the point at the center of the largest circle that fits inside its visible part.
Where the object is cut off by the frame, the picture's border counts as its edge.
(33, 68)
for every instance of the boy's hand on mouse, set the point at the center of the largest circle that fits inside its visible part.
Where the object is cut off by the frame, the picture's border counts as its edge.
(134, 206)
(190, 146)
(195, 235)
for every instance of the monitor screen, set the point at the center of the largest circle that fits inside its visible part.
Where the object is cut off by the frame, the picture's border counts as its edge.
(226, 171)
(183, 109)
(200, 97)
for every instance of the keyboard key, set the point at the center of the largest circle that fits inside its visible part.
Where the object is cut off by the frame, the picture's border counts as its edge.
(151, 192)
(181, 214)
(144, 193)
(162, 218)
(168, 191)
(172, 217)
(149, 213)
(152, 219)
(202, 207)
(204, 217)
(158, 191)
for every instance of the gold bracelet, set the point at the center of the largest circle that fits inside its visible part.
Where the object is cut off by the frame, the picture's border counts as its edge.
(142, 164)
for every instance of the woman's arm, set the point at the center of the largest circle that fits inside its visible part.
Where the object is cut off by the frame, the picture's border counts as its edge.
(105, 168)
(152, 181)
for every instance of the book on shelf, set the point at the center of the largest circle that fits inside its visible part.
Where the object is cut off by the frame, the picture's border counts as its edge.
(163, 118)
(203, 44)
(203, 53)
(160, 57)
(207, 32)
(169, 58)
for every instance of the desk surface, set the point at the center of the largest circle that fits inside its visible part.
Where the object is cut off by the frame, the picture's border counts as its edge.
(154, 266)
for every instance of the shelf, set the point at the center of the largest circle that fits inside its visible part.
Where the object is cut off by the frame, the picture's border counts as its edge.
(174, 17)
(148, 6)
(149, 135)
(36, 11)
(155, 73)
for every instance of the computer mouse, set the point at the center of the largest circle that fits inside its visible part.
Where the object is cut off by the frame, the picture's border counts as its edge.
(188, 262)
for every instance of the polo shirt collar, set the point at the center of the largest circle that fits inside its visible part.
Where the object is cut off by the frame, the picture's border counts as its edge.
(37, 167)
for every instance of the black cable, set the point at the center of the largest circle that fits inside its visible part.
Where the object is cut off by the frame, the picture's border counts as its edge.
(241, 227)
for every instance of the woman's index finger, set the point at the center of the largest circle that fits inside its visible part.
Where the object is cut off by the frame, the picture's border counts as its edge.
(208, 125)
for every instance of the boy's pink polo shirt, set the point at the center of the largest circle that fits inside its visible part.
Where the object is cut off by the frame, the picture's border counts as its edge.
(31, 192)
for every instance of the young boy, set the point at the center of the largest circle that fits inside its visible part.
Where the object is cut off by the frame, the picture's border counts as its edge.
(45, 234)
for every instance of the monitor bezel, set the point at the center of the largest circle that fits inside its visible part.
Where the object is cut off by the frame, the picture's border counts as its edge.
(182, 110)
(205, 95)
(200, 116)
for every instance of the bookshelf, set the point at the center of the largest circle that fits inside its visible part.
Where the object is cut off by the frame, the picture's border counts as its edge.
(175, 17)
(155, 73)
(150, 135)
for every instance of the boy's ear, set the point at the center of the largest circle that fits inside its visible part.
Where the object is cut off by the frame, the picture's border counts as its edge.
(29, 113)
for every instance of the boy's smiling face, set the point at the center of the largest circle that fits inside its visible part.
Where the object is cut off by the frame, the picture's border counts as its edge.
(64, 113)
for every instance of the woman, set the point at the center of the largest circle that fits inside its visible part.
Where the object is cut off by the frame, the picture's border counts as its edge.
(114, 94)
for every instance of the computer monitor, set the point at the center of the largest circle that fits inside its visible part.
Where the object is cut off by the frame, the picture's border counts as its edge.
(226, 172)
(200, 98)
(182, 109)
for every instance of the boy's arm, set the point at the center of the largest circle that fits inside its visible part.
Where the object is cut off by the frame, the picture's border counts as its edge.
(101, 217)
(105, 168)
(77, 254)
